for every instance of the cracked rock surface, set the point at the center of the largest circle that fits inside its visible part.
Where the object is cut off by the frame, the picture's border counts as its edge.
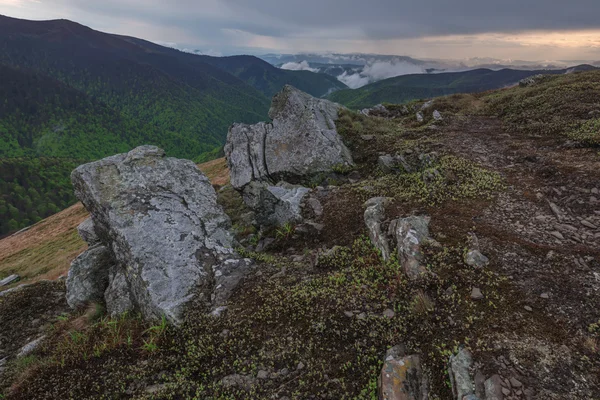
(169, 239)
(300, 142)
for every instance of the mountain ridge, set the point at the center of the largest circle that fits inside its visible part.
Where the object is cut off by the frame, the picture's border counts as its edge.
(405, 88)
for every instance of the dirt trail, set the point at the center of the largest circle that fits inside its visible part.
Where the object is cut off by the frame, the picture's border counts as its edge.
(543, 235)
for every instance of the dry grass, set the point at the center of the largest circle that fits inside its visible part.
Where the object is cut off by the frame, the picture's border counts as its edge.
(46, 250)
(216, 171)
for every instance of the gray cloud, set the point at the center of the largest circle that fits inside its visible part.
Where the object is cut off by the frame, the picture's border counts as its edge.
(322, 24)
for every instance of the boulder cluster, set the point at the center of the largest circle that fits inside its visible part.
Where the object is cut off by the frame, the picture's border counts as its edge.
(157, 238)
(159, 241)
(269, 162)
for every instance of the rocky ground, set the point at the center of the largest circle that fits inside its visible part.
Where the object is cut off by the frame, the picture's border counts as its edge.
(317, 314)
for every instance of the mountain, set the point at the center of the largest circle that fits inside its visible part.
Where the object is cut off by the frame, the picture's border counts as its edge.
(181, 102)
(71, 94)
(418, 86)
(269, 79)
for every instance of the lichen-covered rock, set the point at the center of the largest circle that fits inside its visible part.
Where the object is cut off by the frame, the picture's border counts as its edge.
(300, 142)
(410, 233)
(88, 276)
(275, 205)
(87, 232)
(402, 377)
(160, 220)
(374, 217)
(460, 370)
(475, 259)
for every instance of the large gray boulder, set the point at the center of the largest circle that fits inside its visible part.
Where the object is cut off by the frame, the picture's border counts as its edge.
(168, 237)
(300, 143)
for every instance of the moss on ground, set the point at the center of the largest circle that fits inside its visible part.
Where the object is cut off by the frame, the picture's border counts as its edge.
(563, 105)
(317, 332)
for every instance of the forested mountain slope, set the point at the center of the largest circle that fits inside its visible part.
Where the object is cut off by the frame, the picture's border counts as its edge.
(269, 79)
(183, 103)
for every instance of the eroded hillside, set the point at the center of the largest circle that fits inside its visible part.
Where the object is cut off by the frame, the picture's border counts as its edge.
(510, 175)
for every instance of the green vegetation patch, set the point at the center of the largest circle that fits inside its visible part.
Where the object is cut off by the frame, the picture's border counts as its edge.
(562, 105)
(291, 332)
(449, 178)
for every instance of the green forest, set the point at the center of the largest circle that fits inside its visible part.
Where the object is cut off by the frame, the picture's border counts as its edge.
(33, 189)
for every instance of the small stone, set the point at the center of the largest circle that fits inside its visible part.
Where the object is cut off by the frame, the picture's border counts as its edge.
(300, 366)
(506, 391)
(545, 296)
(361, 316)
(367, 138)
(437, 115)
(515, 383)
(588, 224)
(527, 308)
(557, 235)
(349, 314)
(475, 259)
(30, 347)
(155, 388)
(9, 279)
(476, 294)
(262, 374)
(493, 388)
(389, 313)
(284, 372)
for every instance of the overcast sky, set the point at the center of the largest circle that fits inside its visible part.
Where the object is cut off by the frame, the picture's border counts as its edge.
(506, 29)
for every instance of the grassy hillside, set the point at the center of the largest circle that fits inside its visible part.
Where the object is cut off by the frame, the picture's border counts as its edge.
(404, 88)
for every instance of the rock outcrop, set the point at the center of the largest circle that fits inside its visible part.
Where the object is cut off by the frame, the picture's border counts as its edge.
(300, 142)
(299, 146)
(167, 240)
(275, 205)
(88, 276)
(87, 232)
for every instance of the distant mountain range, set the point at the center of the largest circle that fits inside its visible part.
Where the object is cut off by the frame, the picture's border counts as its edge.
(404, 88)
(357, 70)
